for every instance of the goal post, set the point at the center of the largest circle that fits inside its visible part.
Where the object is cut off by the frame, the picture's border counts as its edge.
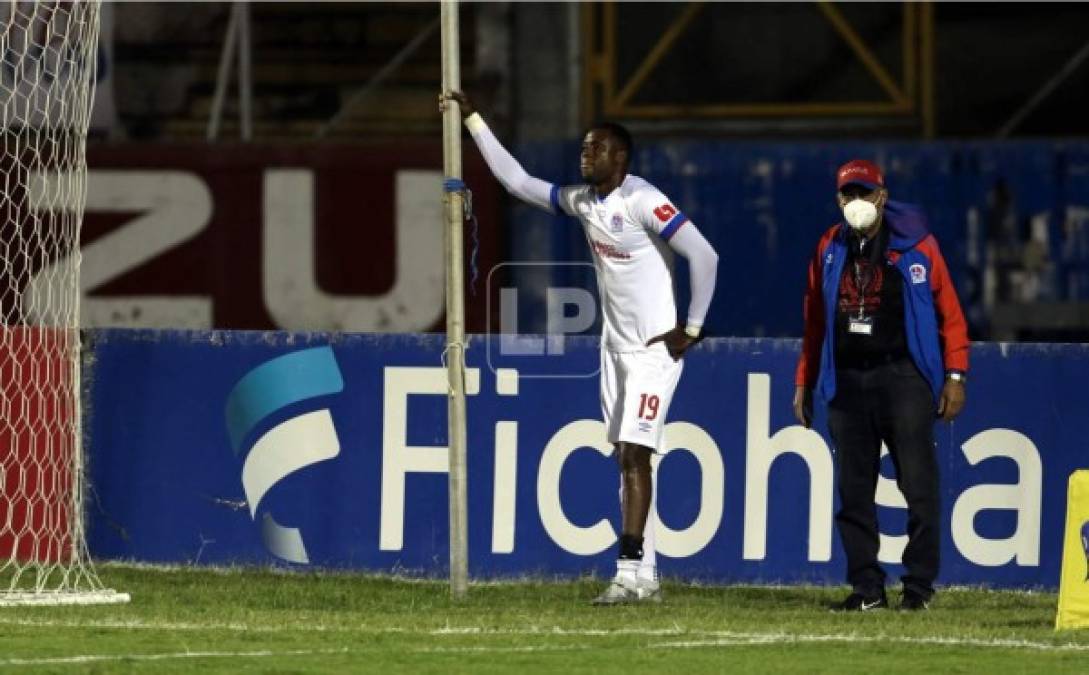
(454, 217)
(48, 58)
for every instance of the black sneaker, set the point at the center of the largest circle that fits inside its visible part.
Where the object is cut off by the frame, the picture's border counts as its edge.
(910, 601)
(857, 602)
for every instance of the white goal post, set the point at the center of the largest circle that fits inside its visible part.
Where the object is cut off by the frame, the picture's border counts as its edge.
(48, 59)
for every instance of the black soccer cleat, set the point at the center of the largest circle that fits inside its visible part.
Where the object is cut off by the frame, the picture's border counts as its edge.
(858, 602)
(910, 601)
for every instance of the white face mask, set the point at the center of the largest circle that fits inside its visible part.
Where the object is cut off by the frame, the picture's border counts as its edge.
(860, 214)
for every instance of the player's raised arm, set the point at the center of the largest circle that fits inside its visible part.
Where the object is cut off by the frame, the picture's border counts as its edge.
(505, 167)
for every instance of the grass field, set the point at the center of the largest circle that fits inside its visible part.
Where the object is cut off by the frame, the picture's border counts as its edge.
(188, 620)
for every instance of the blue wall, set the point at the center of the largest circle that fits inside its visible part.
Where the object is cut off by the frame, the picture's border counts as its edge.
(764, 206)
(168, 450)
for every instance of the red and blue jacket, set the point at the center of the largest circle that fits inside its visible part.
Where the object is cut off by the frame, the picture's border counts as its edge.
(936, 332)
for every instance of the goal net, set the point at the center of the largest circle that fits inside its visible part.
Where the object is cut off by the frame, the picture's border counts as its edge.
(48, 53)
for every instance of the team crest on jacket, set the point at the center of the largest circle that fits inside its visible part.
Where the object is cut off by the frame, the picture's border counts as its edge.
(918, 274)
(618, 222)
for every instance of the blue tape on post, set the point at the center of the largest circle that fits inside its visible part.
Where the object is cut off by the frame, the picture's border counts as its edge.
(458, 185)
(453, 185)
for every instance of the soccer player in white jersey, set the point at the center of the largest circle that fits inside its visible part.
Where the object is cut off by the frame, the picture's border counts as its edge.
(632, 230)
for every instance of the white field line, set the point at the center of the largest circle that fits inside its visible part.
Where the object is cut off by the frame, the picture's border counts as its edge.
(176, 626)
(98, 658)
(728, 638)
(692, 638)
(173, 626)
(83, 659)
(558, 630)
(720, 639)
(509, 650)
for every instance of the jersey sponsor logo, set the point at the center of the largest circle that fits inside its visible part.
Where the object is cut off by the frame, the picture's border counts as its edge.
(918, 274)
(618, 223)
(645, 427)
(665, 212)
(608, 250)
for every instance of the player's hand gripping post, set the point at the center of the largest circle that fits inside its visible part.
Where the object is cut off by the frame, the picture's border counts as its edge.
(464, 104)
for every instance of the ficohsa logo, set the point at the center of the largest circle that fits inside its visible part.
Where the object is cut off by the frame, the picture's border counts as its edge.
(290, 445)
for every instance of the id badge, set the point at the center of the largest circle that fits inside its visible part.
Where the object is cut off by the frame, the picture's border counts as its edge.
(860, 325)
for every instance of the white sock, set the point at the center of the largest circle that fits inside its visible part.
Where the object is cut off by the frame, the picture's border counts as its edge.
(648, 567)
(647, 573)
(627, 570)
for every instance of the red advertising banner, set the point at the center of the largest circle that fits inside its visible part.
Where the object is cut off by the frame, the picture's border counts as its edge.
(37, 443)
(298, 237)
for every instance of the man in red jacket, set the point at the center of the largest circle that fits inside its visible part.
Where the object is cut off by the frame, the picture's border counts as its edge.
(886, 346)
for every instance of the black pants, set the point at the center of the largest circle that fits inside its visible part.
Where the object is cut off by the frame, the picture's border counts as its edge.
(890, 402)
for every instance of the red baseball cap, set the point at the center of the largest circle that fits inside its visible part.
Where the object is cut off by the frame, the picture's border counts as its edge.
(860, 172)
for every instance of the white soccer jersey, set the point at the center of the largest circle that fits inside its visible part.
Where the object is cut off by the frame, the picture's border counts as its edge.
(627, 232)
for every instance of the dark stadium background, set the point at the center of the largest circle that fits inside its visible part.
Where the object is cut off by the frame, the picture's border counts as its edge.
(975, 110)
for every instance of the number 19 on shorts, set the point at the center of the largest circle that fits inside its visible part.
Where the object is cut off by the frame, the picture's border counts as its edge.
(648, 406)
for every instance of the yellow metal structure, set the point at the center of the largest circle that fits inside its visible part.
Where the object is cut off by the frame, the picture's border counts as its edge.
(909, 95)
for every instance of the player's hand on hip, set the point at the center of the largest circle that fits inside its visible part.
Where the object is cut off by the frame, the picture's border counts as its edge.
(676, 341)
(466, 105)
(952, 400)
(803, 406)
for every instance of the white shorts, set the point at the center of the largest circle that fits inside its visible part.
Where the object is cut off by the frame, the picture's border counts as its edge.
(636, 390)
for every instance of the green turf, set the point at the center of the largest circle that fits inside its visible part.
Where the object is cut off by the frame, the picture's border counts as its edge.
(189, 620)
